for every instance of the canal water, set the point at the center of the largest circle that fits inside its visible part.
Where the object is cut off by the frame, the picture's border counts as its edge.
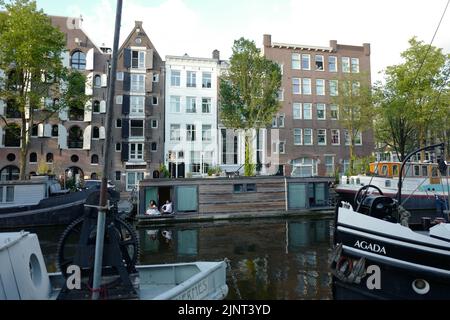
(274, 259)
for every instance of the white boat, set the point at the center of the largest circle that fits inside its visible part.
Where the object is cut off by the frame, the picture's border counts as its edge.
(23, 275)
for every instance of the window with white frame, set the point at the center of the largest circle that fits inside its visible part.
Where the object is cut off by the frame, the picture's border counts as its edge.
(296, 61)
(206, 133)
(175, 78)
(308, 137)
(356, 88)
(319, 63)
(306, 89)
(329, 165)
(282, 147)
(306, 62)
(175, 132)
(298, 137)
(281, 68)
(355, 65)
(334, 91)
(346, 64)
(334, 112)
(320, 87)
(281, 118)
(119, 99)
(321, 111)
(191, 132)
(274, 122)
(206, 105)
(297, 111)
(296, 89)
(137, 105)
(155, 100)
(120, 76)
(280, 95)
(133, 179)
(358, 139)
(191, 79)
(138, 83)
(136, 151)
(322, 137)
(175, 104)
(332, 64)
(154, 123)
(206, 80)
(304, 167)
(191, 105)
(137, 128)
(335, 137)
(156, 77)
(307, 111)
(138, 59)
(196, 159)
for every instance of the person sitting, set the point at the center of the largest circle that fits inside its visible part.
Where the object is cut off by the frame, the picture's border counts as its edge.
(153, 209)
(167, 208)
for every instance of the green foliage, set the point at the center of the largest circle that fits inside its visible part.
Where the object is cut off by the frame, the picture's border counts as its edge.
(413, 105)
(248, 92)
(214, 171)
(362, 165)
(163, 171)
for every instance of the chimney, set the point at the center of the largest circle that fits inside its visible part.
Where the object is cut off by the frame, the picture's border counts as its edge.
(333, 45)
(267, 40)
(366, 49)
(138, 25)
(216, 54)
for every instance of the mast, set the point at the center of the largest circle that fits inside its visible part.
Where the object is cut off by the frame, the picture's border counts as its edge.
(107, 162)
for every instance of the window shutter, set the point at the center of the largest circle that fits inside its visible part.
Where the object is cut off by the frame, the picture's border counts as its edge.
(126, 105)
(2, 107)
(63, 114)
(149, 83)
(127, 58)
(104, 80)
(40, 130)
(148, 152)
(125, 152)
(126, 82)
(90, 59)
(65, 59)
(62, 137)
(149, 59)
(1, 136)
(88, 111)
(125, 128)
(48, 131)
(89, 84)
(103, 106)
(102, 133)
(87, 138)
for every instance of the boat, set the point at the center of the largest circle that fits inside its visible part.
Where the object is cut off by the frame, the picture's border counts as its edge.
(380, 254)
(38, 202)
(425, 190)
(24, 276)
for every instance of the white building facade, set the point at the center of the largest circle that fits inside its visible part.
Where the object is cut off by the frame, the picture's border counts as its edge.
(191, 147)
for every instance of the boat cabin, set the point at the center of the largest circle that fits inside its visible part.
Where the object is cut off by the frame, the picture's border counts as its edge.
(28, 192)
(236, 195)
(412, 169)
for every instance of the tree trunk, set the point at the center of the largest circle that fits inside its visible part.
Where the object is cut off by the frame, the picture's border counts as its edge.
(249, 167)
(23, 149)
(422, 144)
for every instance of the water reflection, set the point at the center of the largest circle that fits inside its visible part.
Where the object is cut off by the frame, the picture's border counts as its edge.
(271, 259)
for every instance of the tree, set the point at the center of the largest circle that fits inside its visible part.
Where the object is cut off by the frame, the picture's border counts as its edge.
(30, 57)
(356, 110)
(248, 93)
(414, 99)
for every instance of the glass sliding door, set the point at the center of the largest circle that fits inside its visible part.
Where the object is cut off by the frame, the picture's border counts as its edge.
(186, 199)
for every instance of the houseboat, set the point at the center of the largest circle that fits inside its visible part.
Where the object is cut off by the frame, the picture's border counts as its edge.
(425, 188)
(239, 195)
(37, 202)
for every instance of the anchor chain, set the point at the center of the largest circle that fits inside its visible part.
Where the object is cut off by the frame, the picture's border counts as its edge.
(233, 278)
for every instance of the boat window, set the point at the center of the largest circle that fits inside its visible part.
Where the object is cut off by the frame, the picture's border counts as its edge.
(352, 181)
(425, 171)
(251, 187)
(395, 170)
(387, 183)
(416, 170)
(1, 194)
(10, 194)
(238, 188)
(358, 181)
(384, 170)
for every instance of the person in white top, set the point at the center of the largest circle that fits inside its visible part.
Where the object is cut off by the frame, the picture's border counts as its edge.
(153, 209)
(167, 208)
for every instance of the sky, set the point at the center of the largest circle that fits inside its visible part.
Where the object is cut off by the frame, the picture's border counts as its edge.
(197, 27)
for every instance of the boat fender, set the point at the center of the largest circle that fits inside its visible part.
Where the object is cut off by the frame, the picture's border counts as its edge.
(345, 268)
